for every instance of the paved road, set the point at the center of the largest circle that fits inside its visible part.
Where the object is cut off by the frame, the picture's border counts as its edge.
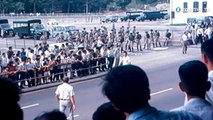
(161, 67)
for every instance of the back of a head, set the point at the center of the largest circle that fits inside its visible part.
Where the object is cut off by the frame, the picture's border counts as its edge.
(207, 49)
(65, 79)
(52, 115)
(107, 111)
(127, 87)
(10, 94)
(9, 90)
(194, 78)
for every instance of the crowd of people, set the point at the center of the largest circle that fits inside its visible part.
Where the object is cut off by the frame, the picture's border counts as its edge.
(92, 51)
(127, 88)
(195, 34)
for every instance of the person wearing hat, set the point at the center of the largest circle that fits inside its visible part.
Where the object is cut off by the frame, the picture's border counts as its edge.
(138, 41)
(157, 38)
(168, 37)
(66, 97)
(152, 38)
(146, 40)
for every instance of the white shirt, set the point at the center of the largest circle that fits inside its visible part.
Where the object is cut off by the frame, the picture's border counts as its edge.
(31, 56)
(199, 107)
(4, 61)
(184, 37)
(30, 66)
(65, 91)
(63, 61)
(125, 60)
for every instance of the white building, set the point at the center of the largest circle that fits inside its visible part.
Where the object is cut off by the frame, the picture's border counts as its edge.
(183, 9)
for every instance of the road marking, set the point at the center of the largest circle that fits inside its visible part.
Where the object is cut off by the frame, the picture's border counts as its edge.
(74, 117)
(29, 106)
(162, 91)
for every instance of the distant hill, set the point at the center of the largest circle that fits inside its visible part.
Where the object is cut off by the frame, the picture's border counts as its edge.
(149, 4)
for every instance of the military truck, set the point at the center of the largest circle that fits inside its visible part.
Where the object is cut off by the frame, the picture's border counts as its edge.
(30, 28)
(152, 15)
(5, 28)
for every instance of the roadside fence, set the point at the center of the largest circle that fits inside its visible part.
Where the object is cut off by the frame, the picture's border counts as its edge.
(42, 76)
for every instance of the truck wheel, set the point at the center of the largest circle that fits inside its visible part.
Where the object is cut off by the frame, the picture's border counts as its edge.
(20, 36)
(2, 33)
(36, 37)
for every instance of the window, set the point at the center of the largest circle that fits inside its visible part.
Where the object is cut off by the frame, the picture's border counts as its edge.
(185, 7)
(204, 7)
(196, 7)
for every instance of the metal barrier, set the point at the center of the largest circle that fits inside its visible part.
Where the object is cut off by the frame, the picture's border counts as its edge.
(36, 80)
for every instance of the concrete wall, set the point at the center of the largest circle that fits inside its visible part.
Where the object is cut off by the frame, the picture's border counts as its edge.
(178, 8)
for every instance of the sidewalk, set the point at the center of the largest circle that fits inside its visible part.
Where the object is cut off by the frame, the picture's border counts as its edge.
(146, 59)
(80, 79)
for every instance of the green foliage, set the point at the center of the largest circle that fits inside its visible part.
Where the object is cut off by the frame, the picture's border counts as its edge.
(46, 6)
(64, 6)
(122, 3)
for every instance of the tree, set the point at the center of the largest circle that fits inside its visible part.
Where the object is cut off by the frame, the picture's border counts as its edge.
(19, 6)
(122, 3)
(5, 5)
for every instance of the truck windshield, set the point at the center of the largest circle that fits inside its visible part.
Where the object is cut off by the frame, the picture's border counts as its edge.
(5, 25)
(39, 26)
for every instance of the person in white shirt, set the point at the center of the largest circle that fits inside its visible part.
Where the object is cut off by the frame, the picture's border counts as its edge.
(125, 60)
(66, 97)
(4, 61)
(199, 35)
(194, 82)
(207, 58)
(185, 42)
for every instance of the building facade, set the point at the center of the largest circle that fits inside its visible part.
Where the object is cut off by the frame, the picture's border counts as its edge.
(181, 10)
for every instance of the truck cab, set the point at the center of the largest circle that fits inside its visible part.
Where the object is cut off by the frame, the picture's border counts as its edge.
(5, 28)
(30, 28)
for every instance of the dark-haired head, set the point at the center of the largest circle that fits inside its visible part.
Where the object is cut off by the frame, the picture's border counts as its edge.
(127, 87)
(52, 115)
(194, 78)
(207, 52)
(107, 111)
(10, 94)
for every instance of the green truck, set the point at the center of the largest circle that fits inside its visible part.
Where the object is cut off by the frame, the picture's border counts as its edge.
(5, 28)
(30, 28)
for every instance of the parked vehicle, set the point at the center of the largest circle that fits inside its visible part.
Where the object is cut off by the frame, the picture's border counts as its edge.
(5, 28)
(110, 19)
(167, 17)
(152, 15)
(142, 17)
(72, 30)
(52, 22)
(124, 18)
(30, 28)
(131, 15)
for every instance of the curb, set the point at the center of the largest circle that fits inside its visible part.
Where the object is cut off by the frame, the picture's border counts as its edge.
(81, 79)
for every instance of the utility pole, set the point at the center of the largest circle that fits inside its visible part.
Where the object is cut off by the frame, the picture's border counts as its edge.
(34, 6)
(68, 8)
(87, 6)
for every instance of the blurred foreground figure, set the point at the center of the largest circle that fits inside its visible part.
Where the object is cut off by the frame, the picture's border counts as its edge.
(127, 87)
(10, 95)
(52, 115)
(194, 82)
(107, 111)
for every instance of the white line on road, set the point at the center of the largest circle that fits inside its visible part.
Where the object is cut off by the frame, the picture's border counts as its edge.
(29, 106)
(162, 91)
(74, 117)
